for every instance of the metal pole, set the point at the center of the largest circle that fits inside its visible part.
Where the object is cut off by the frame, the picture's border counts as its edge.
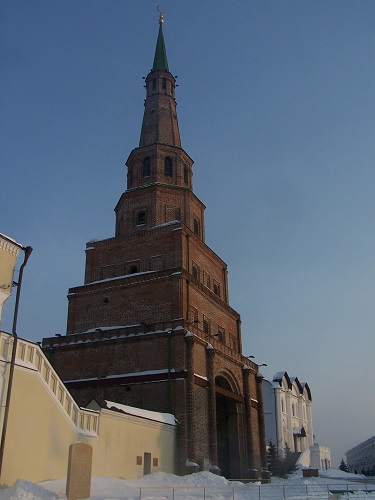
(27, 251)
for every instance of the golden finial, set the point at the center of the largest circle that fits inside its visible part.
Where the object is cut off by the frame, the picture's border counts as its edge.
(161, 18)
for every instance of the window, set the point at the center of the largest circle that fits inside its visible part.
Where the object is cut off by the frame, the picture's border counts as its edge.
(293, 413)
(132, 267)
(141, 218)
(221, 334)
(232, 341)
(282, 405)
(154, 84)
(164, 83)
(206, 325)
(195, 272)
(194, 315)
(146, 167)
(196, 227)
(130, 177)
(186, 174)
(206, 279)
(168, 167)
(216, 288)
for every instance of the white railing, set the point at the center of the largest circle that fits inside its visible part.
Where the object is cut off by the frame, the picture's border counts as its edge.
(31, 356)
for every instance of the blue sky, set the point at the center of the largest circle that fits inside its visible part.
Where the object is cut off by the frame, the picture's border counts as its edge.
(276, 107)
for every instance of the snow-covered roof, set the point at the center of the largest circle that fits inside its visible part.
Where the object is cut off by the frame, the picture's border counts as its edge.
(165, 418)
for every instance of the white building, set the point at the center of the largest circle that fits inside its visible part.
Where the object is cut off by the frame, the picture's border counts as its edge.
(288, 420)
(361, 458)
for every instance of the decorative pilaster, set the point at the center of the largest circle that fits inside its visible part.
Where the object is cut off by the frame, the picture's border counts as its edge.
(261, 424)
(189, 338)
(210, 357)
(246, 370)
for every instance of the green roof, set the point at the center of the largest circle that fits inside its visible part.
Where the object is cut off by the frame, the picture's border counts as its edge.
(160, 59)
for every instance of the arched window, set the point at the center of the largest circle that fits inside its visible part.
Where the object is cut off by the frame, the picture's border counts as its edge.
(168, 167)
(293, 409)
(130, 178)
(146, 167)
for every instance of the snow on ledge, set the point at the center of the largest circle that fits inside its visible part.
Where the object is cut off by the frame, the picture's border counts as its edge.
(165, 418)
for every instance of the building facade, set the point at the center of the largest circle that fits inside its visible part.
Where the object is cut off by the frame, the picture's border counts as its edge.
(288, 420)
(361, 458)
(288, 413)
(152, 326)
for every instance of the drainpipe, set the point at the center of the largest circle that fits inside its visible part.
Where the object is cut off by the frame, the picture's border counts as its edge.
(169, 398)
(27, 251)
(188, 276)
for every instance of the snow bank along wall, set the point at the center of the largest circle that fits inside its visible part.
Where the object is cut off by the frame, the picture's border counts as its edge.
(44, 420)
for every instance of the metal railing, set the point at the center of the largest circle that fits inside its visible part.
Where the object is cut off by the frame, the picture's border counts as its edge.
(258, 492)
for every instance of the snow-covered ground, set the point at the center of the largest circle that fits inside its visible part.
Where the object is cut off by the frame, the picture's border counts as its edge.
(202, 485)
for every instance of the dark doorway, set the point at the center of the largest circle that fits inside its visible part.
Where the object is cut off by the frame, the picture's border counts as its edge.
(146, 463)
(227, 432)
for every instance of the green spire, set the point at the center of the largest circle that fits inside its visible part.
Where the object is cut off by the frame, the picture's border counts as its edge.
(160, 59)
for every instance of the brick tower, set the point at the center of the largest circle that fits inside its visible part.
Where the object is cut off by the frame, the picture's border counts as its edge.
(151, 326)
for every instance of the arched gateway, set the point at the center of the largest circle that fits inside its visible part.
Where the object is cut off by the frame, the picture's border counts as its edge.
(227, 416)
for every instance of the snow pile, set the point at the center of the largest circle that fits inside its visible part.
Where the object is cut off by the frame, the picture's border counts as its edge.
(160, 484)
(202, 479)
(26, 490)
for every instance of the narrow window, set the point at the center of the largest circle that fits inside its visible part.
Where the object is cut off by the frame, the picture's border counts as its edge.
(293, 409)
(216, 288)
(194, 315)
(168, 168)
(206, 279)
(146, 167)
(196, 227)
(154, 84)
(141, 218)
(206, 325)
(130, 177)
(221, 334)
(195, 272)
(164, 83)
(186, 175)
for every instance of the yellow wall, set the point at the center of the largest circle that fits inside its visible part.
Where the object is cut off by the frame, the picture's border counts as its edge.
(38, 432)
(123, 438)
(44, 420)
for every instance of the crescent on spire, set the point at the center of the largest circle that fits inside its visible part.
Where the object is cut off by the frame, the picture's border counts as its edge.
(161, 17)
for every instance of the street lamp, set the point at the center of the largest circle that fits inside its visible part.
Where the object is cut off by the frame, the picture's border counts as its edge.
(27, 251)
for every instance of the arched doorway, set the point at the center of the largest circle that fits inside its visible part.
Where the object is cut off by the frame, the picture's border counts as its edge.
(228, 452)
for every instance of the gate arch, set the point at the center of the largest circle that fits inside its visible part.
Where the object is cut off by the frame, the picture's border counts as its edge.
(227, 424)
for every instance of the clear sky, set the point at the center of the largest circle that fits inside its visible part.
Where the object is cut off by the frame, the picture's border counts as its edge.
(276, 107)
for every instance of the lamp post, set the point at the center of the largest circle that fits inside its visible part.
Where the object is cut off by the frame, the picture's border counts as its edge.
(27, 251)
